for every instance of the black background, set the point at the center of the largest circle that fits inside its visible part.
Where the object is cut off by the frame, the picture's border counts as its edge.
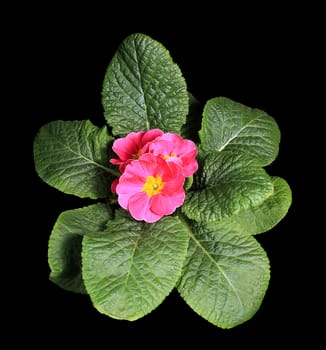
(262, 59)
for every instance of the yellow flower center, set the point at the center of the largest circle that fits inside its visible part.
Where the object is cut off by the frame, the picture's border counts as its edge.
(153, 185)
(166, 156)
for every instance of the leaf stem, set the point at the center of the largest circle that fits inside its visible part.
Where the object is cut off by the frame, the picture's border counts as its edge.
(184, 221)
(111, 171)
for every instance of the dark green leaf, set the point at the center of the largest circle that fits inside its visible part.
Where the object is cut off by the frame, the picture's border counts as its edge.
(130, 268)
(227, 184)
(191, 127)
(72, 156)
(265, 216)
(65, 242)
(225, 275)
(143, 88)
(232, 126)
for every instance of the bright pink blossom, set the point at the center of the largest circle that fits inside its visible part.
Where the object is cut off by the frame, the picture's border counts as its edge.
(173, 148)
(133, 146)
(150, 188)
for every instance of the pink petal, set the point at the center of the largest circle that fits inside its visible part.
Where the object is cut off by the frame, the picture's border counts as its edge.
(148, 164)
(190, 168)
(125, 147)
(138, 207)
(187, 146)
(123, 200)
(185, 151)
(161, 147)
(130, 182)
(166, 205)
(115, 161)
(149, 137)
(114, 185)
(175, 160)
(173, 177)
(126, 186)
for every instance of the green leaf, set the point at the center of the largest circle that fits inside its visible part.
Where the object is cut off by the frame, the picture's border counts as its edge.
(64, 254)
(229, 125)
(225, 275)
(227, 184)
(265, 216)
(143, 88)
(130, 268)
(72, 157)
(191, 127)
(188, 183)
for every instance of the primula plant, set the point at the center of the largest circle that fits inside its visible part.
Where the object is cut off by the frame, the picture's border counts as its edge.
(180, 188)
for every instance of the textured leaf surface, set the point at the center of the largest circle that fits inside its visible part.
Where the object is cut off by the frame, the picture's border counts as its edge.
(72, 157)
(133, 266)
(265, 216)
(225, 275)
(229, 125)
(64, 253)
(193, 123)
(143, 88)
(227, 184)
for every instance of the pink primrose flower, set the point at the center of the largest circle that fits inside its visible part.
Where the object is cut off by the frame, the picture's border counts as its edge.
(173, 148)
(150, 188)
(132, 146)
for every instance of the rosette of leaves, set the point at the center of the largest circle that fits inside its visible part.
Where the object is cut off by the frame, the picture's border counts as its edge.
(207, 249)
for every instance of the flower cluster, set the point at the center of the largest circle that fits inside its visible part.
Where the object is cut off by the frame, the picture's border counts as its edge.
(153, 168)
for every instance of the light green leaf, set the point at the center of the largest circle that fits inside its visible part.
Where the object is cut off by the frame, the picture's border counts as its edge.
(265, 216)
(130, 268)
(225, 275)
(227, 184)
(229, 125)
(72, 156)
(64, 253)
(143, 88)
